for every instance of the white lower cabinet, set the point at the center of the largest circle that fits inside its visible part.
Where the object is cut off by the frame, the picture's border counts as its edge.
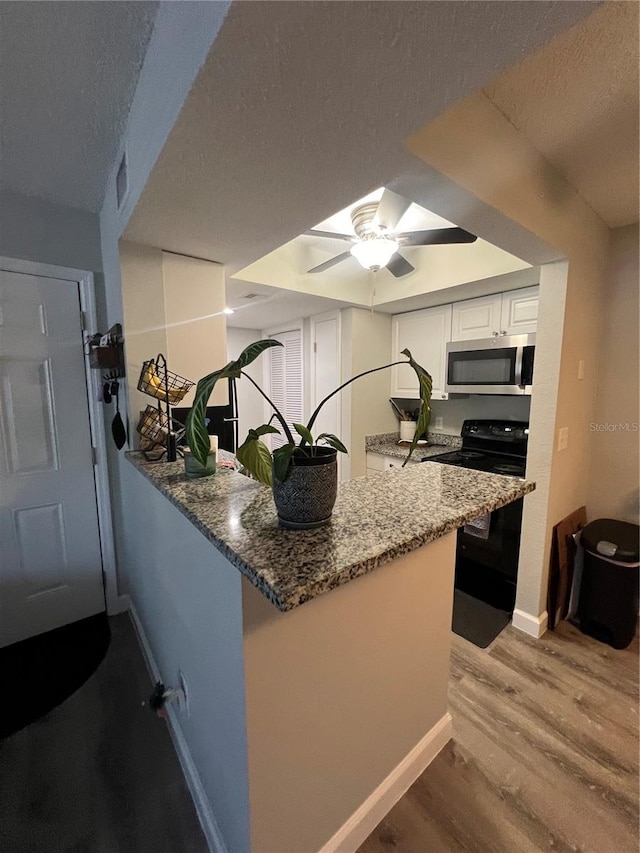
(376, 463)
(426, 334)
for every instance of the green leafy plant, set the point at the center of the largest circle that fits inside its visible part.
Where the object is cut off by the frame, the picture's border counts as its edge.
(254, 454)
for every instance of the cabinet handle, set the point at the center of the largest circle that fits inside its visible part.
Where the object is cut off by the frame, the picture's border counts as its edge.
(495, 334)
(502, 334)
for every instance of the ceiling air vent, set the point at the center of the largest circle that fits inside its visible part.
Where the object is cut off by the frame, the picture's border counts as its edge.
(122, 181)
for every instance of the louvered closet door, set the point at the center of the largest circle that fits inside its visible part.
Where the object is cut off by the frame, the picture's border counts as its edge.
(286, 380)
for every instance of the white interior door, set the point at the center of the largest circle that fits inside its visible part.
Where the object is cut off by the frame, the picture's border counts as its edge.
(325, 373)
(50, 561)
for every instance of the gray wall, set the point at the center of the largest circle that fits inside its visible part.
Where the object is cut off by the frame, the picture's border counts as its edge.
(185, 600)
(37, 230)
(188, 597)
(33, 229)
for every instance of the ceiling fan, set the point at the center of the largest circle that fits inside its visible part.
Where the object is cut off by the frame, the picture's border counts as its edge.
(376, 243)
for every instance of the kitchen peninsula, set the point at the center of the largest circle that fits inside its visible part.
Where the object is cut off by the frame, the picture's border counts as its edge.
(317, 660)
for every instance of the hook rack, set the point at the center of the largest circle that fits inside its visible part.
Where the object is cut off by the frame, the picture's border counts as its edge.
(106, 352)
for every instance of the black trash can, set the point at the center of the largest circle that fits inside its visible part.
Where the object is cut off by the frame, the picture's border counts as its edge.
(608, 603)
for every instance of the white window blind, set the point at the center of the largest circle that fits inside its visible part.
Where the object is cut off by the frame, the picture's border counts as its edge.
(286, 380)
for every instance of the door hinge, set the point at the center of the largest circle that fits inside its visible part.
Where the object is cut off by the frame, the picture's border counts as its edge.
(94, 456)
(315, 347)
(83, 321)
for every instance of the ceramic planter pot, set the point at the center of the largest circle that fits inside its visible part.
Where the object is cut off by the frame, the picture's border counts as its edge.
(306, 498)
(194, 469)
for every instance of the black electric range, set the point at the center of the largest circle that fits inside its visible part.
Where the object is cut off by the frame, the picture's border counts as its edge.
(488, 550)
(497, 447)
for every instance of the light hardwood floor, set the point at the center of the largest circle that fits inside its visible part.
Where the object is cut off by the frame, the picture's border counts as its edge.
(544, 757)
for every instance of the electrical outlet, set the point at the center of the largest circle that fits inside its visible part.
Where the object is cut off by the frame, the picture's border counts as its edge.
(563, 438)
(439, 423)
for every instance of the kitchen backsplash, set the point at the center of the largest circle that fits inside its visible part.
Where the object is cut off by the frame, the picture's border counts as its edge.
(455, 410)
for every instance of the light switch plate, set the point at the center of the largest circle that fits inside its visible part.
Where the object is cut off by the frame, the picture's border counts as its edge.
(439, 423)
(581, 369)
(563, 438)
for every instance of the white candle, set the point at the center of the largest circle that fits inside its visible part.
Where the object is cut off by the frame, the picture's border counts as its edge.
(213, 442)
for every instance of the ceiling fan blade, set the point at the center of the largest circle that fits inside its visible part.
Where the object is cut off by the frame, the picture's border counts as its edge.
(399, 266)
(313, 233)
(436, 237)
(331, 263)
(391, 209)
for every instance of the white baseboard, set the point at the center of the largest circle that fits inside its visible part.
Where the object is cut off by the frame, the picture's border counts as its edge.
(379, 803)
(206, 817)
(120, 604)
(535, 626)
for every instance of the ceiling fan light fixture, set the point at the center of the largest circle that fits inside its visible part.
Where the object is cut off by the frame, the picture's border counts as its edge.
(374, 252)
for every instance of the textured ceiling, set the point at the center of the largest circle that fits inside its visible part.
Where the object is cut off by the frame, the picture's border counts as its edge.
(68, 72)
(301, 108)
(272, 306)
(576, 100)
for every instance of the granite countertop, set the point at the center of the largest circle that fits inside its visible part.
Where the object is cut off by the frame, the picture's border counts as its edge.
(386, 444)
(374, 521)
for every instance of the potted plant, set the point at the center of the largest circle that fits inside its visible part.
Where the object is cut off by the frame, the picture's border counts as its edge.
(302, 472)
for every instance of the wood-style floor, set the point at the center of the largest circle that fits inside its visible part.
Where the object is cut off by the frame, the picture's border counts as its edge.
(545, 757)
(545, 753)
(99, 773)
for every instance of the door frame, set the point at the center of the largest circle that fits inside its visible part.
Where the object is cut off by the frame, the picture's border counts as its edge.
(114, 602)
(344, 464)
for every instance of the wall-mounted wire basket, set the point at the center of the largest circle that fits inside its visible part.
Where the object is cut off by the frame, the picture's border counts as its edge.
(158, 381)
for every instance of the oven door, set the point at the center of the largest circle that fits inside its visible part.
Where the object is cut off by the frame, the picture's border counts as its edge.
(487, 566)
(488, 366)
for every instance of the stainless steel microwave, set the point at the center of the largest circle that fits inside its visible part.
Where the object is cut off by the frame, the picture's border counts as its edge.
(498, 365)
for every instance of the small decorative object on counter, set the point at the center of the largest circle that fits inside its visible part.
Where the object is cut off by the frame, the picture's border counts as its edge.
(302, 472)
(407, 430)
(156, 426)
(194, 469)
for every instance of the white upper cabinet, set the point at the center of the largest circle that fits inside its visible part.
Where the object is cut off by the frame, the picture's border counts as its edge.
(426, 333)
(520, 311)
(476, 318)
(512, 313)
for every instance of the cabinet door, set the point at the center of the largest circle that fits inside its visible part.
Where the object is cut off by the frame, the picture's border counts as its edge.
(426, 333)
(375, 462)
(476, 318)
(520, 311)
